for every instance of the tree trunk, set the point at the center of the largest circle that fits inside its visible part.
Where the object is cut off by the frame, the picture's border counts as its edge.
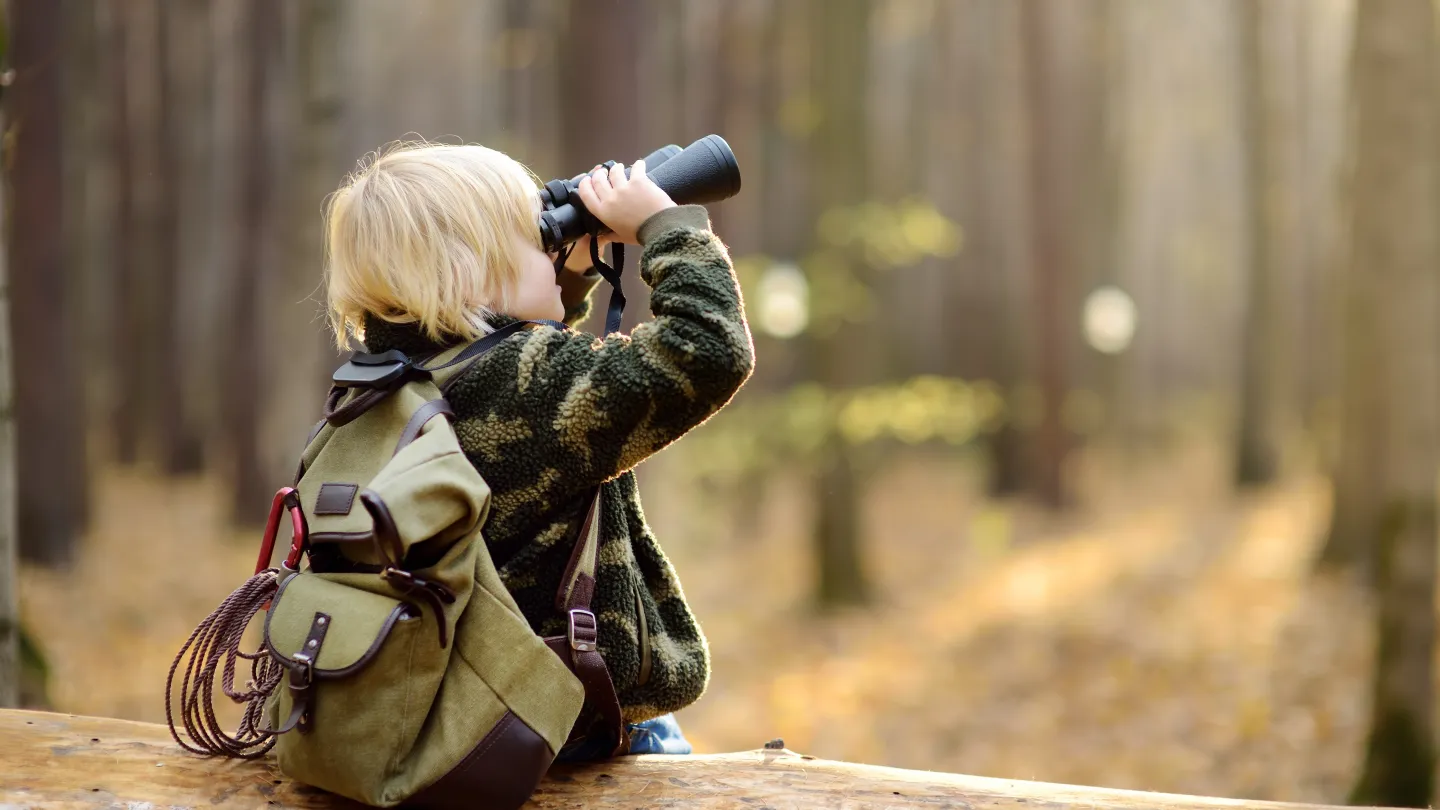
(49, 406)
(600, 123)
(300, 352)
(124, 361)
(145, 300)
(1005, 250)
(837, 175)
(528, 92)
(1257, 453)
(1324, 40)
(90, 169)
(9, 554)
(178, 443)
(186, 270)
(1396, 208)
(81, 165)
(243, 379)
(1356, 499)
(1094, 201)
(1052, 257)
(1358, 457)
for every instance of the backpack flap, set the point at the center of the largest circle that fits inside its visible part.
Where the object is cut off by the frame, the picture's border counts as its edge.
(358, 622)
(444, 497)
(320, 629)
(393, 478)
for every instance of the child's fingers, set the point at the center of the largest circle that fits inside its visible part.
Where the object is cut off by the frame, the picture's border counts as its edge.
(601, 180)
(617, 176)
(587, 193)
(637, 170)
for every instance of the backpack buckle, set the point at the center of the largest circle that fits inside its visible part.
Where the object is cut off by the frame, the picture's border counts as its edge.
(584, 632)
(302, 679)
(381, 371)
(303, 675)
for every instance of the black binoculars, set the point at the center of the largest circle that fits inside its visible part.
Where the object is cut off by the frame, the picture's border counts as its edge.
(705, 171)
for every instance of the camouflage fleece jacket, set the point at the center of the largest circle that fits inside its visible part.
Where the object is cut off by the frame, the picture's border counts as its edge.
(548, 414)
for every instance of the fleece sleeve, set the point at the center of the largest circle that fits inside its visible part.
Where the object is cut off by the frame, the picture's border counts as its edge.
(611, 402)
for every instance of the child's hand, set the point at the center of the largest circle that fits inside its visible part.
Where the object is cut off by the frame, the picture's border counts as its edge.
(623, 203)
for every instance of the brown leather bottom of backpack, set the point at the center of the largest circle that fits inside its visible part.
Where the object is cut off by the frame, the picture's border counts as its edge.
(501, 772)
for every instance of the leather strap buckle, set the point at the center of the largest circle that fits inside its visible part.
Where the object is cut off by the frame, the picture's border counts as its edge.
(584, 632)
(302, 672)
(302, 678)
(303, 675)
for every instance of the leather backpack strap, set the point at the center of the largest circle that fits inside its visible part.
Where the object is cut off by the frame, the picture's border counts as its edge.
(445, 368)
(581, 642)
(577, 586)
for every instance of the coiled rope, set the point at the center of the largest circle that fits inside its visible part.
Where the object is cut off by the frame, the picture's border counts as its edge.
(215, 640)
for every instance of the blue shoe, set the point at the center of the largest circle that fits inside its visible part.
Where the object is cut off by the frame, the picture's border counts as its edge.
(659, 736)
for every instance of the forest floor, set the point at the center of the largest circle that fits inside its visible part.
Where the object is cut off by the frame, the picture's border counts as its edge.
(1166, 635)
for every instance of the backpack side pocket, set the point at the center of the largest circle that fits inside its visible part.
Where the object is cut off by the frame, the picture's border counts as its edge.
(360, 678)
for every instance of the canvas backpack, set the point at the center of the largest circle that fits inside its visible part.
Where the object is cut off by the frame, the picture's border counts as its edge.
(395, 668)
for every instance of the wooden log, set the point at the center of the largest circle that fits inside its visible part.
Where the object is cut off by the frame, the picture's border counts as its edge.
(54, 760)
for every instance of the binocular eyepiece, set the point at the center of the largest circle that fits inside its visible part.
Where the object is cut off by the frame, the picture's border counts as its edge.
(705, 171)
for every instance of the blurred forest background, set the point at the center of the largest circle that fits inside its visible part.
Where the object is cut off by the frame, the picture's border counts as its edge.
(1094, 434)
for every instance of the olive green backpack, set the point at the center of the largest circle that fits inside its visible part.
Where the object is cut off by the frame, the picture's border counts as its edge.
(395, 668)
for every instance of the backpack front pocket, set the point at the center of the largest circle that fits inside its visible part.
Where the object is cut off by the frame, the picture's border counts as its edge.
(360, 677)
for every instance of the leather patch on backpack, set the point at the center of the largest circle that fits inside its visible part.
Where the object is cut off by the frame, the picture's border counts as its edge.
(335, 499)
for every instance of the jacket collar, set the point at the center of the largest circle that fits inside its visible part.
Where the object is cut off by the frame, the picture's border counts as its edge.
(382, 336)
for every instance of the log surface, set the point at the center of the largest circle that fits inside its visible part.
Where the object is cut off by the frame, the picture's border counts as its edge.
(57, 760)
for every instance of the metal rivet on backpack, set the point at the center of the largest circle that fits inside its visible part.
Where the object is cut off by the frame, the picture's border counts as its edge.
(320, 620)
(310, 644)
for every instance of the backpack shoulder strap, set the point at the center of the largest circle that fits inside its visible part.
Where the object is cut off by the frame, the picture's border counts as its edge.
(577, 588)
(447, 366)
(341, 407)
(443, 369)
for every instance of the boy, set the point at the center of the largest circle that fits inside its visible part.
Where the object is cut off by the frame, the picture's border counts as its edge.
(432, 245)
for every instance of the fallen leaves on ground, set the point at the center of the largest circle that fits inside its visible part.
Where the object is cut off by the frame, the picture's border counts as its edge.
(1165, 636)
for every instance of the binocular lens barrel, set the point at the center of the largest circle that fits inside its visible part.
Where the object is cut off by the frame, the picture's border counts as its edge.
(705, 171)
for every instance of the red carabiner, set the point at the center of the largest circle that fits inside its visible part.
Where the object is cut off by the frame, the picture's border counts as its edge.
(285, 498)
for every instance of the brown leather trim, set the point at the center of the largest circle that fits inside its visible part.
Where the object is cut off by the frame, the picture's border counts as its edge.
(401, 611)
(315, 431)
(501, 771)
(335, 499)
(301, 683)
(560, 645)
(319, 626)
(384, 531)
(419, 419)
(600, 695)
(341, 537)
(582, 593)
(565, 598)
(341, 415)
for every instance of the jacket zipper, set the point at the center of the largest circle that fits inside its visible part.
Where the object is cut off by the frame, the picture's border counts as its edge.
(643, 634)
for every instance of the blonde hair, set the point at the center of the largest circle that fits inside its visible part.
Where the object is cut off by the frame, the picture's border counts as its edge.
(424, 232)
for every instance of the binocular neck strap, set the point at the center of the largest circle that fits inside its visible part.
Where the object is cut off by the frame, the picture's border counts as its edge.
(611, 275)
